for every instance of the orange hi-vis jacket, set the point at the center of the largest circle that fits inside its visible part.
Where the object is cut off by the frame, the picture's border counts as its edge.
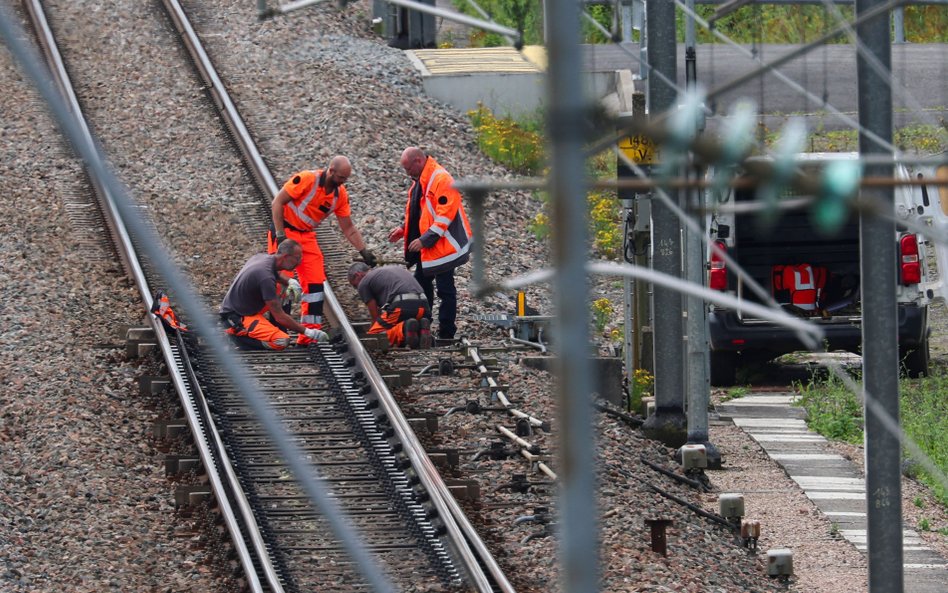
(310, 203)
(442, 215)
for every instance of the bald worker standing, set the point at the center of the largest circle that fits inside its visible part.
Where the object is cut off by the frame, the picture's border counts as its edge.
(304, 201)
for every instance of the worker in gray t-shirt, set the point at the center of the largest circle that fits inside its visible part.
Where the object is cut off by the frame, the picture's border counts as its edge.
(254, 293)
(396, 302)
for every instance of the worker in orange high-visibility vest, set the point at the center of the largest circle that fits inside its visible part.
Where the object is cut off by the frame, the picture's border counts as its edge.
(252, 310)
(304, 201)
(436, 233)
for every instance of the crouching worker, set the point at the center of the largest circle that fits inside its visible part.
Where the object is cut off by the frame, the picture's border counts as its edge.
(258, 289)
(396, 302)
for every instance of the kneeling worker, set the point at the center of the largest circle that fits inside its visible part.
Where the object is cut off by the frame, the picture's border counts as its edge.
(253, 293)
(396, 302)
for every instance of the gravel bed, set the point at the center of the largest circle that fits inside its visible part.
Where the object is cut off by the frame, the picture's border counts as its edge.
(84, 501)
(83, 496)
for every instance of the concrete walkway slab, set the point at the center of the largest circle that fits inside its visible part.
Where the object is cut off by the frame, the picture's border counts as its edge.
(834, 484)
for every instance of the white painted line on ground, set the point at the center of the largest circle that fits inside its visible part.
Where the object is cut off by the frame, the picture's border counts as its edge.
(830, 481)
(756, 400)
(788, 438)
(860, 535)
(805, 456)
(770, 422)
(823, 495)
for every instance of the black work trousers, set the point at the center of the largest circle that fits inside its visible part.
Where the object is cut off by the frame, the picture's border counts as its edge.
(448, 297)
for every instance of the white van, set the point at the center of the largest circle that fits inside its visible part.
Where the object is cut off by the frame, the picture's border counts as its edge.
(816, 275)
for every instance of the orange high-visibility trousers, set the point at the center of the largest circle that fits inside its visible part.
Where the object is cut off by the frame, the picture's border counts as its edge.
(392, 323)
(257, 327)
(311, 275)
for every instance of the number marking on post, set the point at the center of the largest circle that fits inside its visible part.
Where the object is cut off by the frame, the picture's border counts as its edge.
(639, 148)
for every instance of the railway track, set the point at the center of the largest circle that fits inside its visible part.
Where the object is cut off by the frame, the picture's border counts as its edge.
(343, 419)
(483, 419)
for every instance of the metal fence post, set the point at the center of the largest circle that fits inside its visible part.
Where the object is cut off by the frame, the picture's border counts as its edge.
(578, 538)
(668, 422)
(880, 348)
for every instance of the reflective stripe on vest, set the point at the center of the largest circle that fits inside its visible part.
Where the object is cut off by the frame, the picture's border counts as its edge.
(434, 263)
(300, 209)
(444, 231)
(803, 290)
(434, 217)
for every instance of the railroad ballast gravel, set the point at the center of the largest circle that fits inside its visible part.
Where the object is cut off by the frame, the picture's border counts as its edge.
(84, 501)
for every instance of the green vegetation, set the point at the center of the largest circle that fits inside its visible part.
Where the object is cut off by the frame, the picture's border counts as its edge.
(805, 23)
(836, 413)
(749, 24)
(923, 139)
(602, 313)
(518, 145)
(735, 393)
(643, 385)
(832, 410)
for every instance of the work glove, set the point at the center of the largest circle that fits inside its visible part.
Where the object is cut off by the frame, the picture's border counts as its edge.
(294, 291)
(317, 335)
(369, 258)
(396, 234)
(279, 238)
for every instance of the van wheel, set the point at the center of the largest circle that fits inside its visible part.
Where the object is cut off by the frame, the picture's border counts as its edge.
(723, 369)
(915, 360)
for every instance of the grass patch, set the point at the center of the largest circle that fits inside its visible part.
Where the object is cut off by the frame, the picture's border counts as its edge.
(922, 139)
(516, 144)
(750, 24)
(832, 410)
(836, 413)
(924, 414)
(735, 393)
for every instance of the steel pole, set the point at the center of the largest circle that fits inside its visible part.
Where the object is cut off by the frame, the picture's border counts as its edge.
(699, 379)
(668, 423)
(880, 361)
(690, 35)
(898, 24)
(578, 536)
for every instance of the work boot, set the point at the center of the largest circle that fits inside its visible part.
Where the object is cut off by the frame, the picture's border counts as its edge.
(424, 333)
(411, 333)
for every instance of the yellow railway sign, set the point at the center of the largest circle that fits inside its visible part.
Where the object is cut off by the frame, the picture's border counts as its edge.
(639, 148)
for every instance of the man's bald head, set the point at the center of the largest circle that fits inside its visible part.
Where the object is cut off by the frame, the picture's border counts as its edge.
(341, 165)
(413, 161)
(338, 171)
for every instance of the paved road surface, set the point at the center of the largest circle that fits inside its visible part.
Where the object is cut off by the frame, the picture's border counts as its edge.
(827, 72)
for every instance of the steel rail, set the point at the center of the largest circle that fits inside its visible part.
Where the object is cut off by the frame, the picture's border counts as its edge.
(131, 261)
(467, 544)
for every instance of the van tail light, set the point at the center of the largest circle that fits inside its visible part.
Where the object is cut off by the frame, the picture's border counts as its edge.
(910, 267)
(717, 276)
